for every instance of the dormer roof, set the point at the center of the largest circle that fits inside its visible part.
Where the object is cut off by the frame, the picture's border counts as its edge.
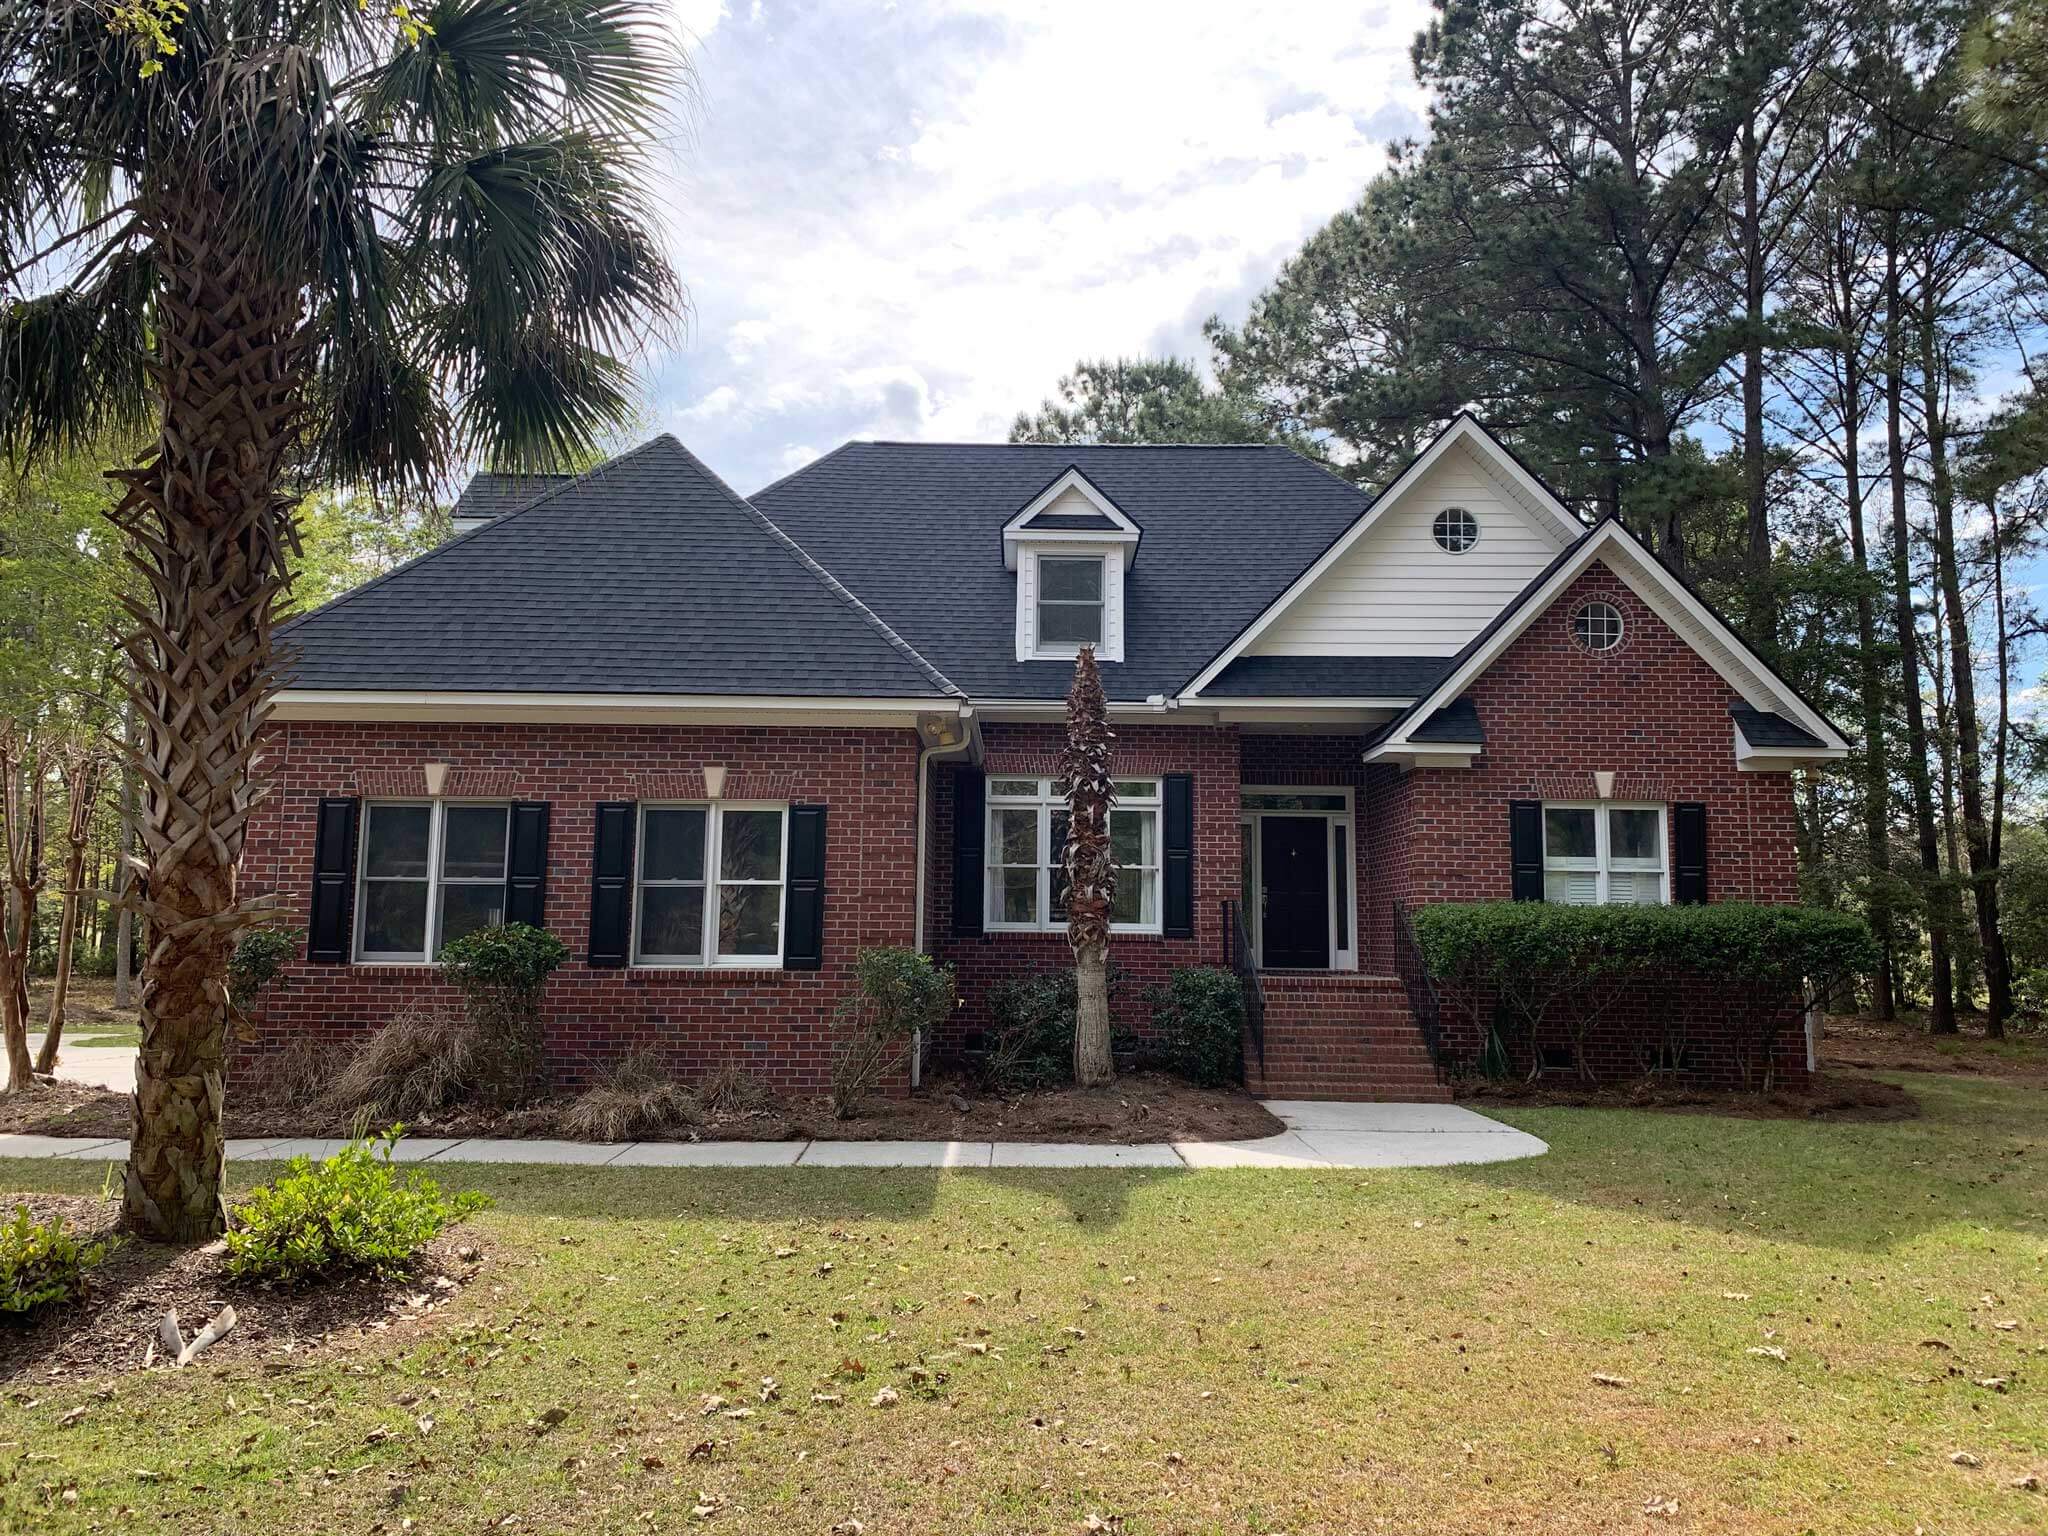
(1072, 509)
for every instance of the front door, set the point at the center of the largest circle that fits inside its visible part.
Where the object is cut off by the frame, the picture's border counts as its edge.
(1294, 865)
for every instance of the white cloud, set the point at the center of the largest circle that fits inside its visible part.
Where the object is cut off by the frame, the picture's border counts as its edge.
(910, 222)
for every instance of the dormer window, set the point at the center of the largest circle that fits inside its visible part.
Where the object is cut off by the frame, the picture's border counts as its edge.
(1070, 600)
(1070, 546)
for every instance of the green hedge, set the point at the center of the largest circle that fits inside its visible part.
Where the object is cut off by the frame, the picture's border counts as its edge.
(1509, 941)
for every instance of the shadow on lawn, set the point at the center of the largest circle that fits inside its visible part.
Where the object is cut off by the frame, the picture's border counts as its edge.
(1977, 1154)
(1094, 1197)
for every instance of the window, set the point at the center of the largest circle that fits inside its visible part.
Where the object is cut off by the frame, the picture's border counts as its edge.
(430, 873)
(1070, 601)
(1597, 626)
(709, 884)
(1027, 839)
(1599, 855)
(1456, 530)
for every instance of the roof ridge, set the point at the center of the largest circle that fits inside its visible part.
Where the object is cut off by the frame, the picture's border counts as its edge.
(446, 545)
(830, 582)
(957, 442)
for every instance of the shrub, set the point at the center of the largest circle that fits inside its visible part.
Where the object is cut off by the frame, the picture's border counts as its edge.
(1198, 1025)
(355, 1211)
(635, 1100)
(304, 1072)
(500, 973)
(732, 1089)
(898, 993)
(425, 1059)
(1031, 1041)
(257, 958)
(1542, 964)
(43, 1263)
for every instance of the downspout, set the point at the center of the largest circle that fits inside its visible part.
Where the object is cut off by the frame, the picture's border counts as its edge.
(969, 740)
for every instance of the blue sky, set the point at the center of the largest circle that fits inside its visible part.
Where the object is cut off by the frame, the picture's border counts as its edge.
(907, 220)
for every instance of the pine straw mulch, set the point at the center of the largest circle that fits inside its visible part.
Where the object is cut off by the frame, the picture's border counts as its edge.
(1834, 1096)
(110, 1330)
(1903, 1045)
(1138, 1107)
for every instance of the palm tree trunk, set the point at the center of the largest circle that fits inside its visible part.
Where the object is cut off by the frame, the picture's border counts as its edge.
(1093, 1063)
(124, 922)
(213, 527)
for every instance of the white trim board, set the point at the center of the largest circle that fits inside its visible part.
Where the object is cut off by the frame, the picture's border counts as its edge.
(295, 704)
(1665, 596)
(1550, 515)
(1126, 533)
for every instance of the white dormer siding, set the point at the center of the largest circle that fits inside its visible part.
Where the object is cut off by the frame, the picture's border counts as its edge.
(1396, 592)
(1070, 520)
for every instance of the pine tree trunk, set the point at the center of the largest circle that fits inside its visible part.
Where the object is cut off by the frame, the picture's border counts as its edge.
(1996, 1027)
(1941, 1018)
(1963, 686)
(14, 991)
(206, 510)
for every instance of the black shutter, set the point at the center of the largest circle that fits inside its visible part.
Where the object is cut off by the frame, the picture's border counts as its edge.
(803, 935)
(526, 870)
(970, 826)
(611, 884)
(334, 882)
(1525, 848)
(1689, 839)
(1180, 856)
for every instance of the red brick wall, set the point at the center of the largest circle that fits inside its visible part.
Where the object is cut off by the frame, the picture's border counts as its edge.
(774, 1022)
(1654, 714)
(1209, 754)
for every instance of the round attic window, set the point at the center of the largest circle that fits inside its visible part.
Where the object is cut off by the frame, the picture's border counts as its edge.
(1597, 626)
(1456, 530)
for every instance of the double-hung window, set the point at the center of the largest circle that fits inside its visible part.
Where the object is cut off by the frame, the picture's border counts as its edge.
(1070, 600)
(1026, 845)
(429, 873)
(1601, 855)
(710, 882)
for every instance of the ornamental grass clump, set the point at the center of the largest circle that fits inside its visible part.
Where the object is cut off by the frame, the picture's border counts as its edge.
(636, 1099)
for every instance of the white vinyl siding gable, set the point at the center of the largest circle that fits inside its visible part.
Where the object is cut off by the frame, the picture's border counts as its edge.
(1397, 592)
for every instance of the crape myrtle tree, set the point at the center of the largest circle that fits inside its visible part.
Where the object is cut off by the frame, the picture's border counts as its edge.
(1091, 873)
(297, 242)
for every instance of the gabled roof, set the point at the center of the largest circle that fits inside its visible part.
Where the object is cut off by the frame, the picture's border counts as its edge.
(1043, 517)
(1544, 506)
(1761, 689)
(645, 576)
(914, 529)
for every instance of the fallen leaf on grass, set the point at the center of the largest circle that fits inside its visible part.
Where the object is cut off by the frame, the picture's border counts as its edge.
(71, 1418)
(2008, 1325)
(1605, 1379)
(1767, 1352)
(1735, 1295)
(1965, 1459)
(1992, 1383)
(886, 1398)
(707, 1505)
(547, 1420)
(1665, 1508)
(2028, 1483)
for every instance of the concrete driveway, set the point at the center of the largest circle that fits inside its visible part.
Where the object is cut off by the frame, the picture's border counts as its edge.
(104, 1066)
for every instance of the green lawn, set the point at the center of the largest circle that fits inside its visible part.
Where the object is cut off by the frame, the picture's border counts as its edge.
(1245, 1352)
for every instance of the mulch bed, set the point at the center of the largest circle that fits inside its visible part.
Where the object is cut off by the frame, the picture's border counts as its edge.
(1139, 1107)
(110, 1330)
(1903, 1045)
(1834, 1096)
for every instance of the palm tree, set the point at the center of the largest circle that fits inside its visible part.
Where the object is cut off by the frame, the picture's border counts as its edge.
(1091, 873)
(298, 242)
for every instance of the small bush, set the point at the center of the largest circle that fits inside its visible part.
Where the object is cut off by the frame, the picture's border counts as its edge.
(355, 1211)
(732, 1089)
(500, 973)
(1198, 1025)
(256, 961)
(1031, 1040)
(425, 1059)
(899, 992)
(42, 1263)
(635, 1100)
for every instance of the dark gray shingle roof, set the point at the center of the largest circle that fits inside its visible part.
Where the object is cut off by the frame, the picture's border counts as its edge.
(1763, 728)
(1455, 722)
(490, 494)
(1327, 677)
(647, 575)
(916, 530)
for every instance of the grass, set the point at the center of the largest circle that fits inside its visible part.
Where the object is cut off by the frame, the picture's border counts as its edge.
(90, 1017)
(1244, 1352)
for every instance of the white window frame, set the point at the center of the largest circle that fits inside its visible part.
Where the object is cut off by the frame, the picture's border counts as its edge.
(1029, 646)
(1602, 865)
(436, 882)
(712, 883)
(1046, 800)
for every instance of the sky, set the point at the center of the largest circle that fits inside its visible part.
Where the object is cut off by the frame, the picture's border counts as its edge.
(908, 220)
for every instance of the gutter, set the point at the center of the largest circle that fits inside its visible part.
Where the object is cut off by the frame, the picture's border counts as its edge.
(967, 746)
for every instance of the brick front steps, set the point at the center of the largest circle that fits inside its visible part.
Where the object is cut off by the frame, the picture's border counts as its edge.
(1341, 1036)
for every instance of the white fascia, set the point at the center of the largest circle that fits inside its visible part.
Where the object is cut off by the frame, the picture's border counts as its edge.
(1124, 536)
(578, 708)
(1552, 514)
(1755, 759)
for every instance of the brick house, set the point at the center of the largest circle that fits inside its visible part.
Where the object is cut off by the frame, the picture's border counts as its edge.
(719, 745)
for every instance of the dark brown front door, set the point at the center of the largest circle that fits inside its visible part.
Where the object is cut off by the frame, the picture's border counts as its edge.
(1294, 865)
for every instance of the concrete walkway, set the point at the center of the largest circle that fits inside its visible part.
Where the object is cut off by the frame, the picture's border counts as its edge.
(1317, 1136)
(104, 1066)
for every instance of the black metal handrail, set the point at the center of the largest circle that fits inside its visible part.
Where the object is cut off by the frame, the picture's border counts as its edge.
(1238, 956)
(1422, 998)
